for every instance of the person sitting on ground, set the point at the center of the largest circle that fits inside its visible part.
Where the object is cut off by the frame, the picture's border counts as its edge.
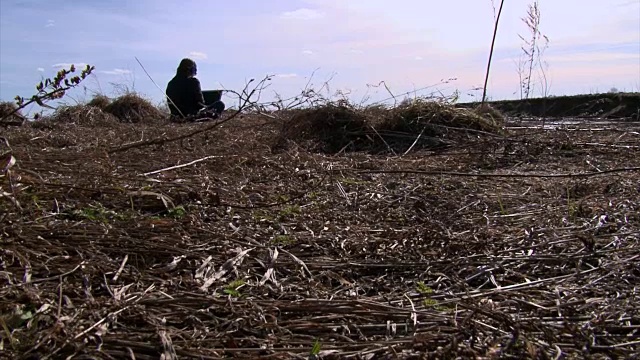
(185, 93)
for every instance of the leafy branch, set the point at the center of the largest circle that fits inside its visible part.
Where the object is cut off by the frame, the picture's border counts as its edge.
(52, 89)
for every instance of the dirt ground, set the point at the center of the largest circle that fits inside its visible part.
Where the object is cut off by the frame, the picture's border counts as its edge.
(516, 246)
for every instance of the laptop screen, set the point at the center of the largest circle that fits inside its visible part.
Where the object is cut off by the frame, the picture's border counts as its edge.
(211, 96)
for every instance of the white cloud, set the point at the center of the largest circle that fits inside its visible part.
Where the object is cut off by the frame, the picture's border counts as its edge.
(302, 14)
(198, 55)
(307, 52)
(40, 69)
(50, 23)
(418, 58)
(287, 76)
(356, 51)
(116, 72)
(68, 65)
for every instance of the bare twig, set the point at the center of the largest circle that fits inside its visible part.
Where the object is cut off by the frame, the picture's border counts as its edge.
(493, 41)
(513, 175)
(416, 141)
(182, 165)
(245, 101)
(383, 140)
(57, 277)
(159, 88)
(124, 261)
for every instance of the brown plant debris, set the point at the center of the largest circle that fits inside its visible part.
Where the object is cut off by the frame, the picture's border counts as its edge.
(86, 115)
(133, 108)
(9, 115)
(413, 116)
(327, 128)
(415, 124)
(213, 247)
(100, 101)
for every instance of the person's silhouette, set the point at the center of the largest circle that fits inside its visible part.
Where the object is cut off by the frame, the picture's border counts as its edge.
(185, 93)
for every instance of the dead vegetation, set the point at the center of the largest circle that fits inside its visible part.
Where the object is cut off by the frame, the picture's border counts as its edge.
(100, 101)
(328, 128)
(415, 124)
(9, 114)
(412, 116)
(84, 115)
(133, 108)
(511, 242)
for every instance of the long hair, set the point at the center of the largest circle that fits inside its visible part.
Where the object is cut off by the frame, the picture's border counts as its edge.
(187, 67)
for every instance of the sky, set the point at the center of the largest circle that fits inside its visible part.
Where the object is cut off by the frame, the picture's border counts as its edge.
(416, 47)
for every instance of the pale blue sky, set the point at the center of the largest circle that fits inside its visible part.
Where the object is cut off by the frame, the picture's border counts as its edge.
(410, 44)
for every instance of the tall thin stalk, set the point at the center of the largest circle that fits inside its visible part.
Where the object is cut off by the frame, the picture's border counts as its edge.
(532, 50)
(493, 41)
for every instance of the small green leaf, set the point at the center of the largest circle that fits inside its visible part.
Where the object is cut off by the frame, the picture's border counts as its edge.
(231, 292)
(315, 350)
(423, 288)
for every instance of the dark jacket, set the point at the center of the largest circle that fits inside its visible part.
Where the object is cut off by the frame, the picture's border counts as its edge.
(186, 93)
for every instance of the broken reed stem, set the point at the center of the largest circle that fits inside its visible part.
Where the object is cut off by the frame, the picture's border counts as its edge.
(416, 141)
(159, 88)
(493, 41)
(182, 165)
(514, 175)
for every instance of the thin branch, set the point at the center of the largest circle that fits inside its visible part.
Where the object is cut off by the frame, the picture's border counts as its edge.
(495, 32)
(159, 88)
(244, 103)
(34, 100)
(181, 165)
(513, 175)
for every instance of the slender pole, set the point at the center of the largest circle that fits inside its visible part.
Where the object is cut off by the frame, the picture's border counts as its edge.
(495, 32)
(159, 88)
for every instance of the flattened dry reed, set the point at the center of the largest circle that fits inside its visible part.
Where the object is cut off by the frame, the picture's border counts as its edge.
(299, 247)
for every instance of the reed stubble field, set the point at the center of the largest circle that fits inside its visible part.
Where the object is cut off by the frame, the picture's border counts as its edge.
(241, 242)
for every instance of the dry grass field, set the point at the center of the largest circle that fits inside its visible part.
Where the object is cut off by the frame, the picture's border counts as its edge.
(425, 232)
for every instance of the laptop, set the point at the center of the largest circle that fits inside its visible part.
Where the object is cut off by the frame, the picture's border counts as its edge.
(211, 96)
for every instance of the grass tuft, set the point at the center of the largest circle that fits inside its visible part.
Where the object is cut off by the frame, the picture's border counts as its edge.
(133, 108)
(412, 117)
(418, 123)
(6, 108)
(327, 128)
(83, 115)
(100, 101)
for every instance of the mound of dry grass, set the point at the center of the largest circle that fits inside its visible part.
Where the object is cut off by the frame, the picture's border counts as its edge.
(424, 124)
(492, 114)
(84, 115)
(329, 128)
(100, 101)
(414, 116)
(7, 108)
(132, 108)
(417, 123)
